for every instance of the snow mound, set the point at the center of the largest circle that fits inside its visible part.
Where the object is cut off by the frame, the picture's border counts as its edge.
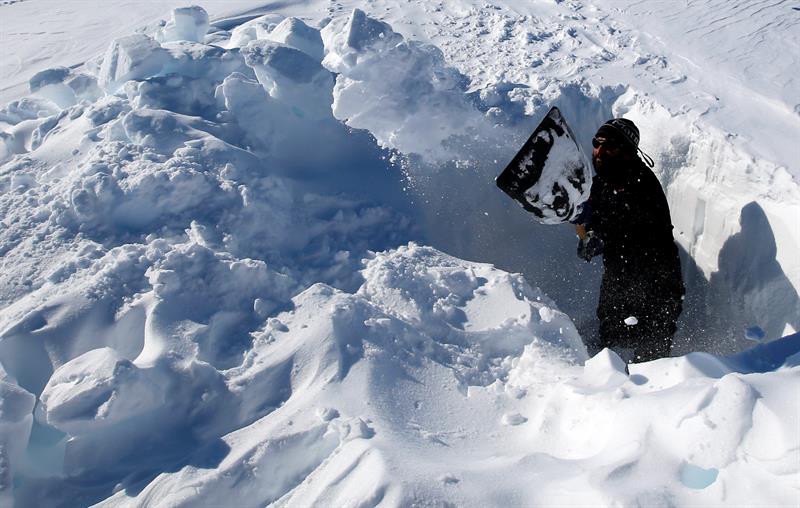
(97, 390)
(465, 303)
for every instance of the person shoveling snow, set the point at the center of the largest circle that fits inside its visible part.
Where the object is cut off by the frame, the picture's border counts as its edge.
(626, 219)
(621, 213)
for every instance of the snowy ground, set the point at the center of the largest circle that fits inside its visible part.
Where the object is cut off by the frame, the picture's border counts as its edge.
(224, 279)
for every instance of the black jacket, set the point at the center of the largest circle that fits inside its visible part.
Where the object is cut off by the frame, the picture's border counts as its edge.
(629, 212)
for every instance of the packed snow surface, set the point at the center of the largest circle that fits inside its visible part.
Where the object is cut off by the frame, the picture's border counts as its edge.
(234, 255)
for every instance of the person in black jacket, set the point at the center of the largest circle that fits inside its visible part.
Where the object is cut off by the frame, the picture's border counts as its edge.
(626, 219)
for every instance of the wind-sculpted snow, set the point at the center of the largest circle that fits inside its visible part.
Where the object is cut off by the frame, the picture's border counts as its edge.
(215, 288)
(401, 91)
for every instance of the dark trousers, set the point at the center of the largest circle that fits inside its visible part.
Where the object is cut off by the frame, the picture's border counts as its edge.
(639, 314)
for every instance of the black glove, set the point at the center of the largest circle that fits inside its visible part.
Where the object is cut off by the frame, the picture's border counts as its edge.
(590, 247)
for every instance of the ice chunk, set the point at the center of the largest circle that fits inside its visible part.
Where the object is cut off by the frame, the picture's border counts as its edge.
(301, 86)
(353, 428)
(248, 103)
(28, 108)
(363, 31)
(197, 60)
(345, 41)
(136, 56)
(296, 34)
(84, 87)
(16, 404)
(48, 77)
(106, 109)
(289, 62)
(16, 421)
(187, 24)
(18, 139)
(631, 321)
(258, 28)
(181, 94)
(50, 85)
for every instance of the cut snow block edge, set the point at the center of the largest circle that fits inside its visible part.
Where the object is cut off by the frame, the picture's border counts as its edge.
(187, 24)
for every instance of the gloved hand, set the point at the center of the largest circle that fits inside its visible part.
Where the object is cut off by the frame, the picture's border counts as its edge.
(590, 247)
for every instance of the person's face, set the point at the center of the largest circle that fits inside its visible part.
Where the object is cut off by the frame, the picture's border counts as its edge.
(605, 152)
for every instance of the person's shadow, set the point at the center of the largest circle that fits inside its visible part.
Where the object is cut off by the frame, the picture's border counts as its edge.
(749, 290)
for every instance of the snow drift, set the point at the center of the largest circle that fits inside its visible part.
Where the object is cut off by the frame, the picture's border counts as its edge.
(216, 288)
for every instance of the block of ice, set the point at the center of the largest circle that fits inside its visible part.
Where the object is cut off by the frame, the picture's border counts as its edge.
(296, 34)
(258, 28)
(27, 108)
(186, 24)
(16, 420)
(136, 56)
(50, 85)
(202, 60)
(181, 94)
(302, 87)
(345, 39)
(48, 77)
(84, 87)
(288, 62)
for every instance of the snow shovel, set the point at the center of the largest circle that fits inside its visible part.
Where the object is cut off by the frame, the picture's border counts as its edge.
(549, 176)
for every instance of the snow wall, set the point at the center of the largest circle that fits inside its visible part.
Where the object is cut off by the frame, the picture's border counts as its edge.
(736, 214)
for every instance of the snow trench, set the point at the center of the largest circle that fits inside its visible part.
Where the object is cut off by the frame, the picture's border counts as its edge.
(225, 283)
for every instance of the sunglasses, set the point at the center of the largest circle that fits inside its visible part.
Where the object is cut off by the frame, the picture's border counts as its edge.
(608, 144)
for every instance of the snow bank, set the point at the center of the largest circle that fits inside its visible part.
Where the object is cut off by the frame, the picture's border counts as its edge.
(722, 174)
(210, 293)
(733, 216)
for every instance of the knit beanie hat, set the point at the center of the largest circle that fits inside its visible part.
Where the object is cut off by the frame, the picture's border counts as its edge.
(626, 131)
(621, 129)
